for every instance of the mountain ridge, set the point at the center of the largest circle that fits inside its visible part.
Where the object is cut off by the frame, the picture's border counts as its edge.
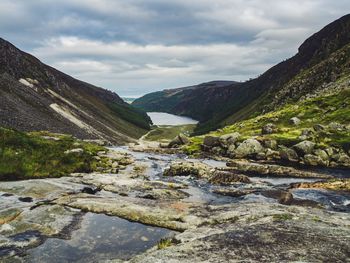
(243, 100)
(35, 96)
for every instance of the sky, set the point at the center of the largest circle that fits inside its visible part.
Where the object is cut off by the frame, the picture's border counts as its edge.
(134, 47)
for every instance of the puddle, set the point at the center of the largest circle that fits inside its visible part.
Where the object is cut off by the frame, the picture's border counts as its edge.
(100, 238)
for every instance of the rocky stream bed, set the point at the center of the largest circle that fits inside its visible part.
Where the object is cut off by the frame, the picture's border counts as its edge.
(161, 207)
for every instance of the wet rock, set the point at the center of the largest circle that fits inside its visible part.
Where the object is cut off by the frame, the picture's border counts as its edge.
(254, 231)
(164, 194)
(211, 141)
(283, 197)
(26, 199)
(179, 140)
(229, 139)
(233, 192)
(288, 154)
(248, 147)
(268, 128)
(250, 168)
(188, 168)
(227, 178)
(89, 190)
(333, 184)
(304, 147)
(294, 121)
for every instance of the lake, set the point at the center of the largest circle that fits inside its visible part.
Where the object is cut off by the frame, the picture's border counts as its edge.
(162, 118)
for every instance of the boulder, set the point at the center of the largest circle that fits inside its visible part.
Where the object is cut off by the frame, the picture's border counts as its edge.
(211, 141)
(248, 147)
(313, 160)
(229, 139)
(188, 168)
(268, 128)
(335, 126)
(179, 140)
(319, 127)
(304, 147)
(322, 154)
(344, 160)
(272, 144)
(306, 134)
(288, 154)
(294, 121)
(226, 178)
(271, 154)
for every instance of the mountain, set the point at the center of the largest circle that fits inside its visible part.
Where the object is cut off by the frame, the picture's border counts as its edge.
(180, 101)
(35, 96)
(321, 59)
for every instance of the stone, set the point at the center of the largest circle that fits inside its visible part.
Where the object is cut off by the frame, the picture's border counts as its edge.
(313, 160)
(227, 178)
(304, 147)
(179, 140)
(268, 128)
(322, 154)
(319, 127)
(229, 139)
(271, 154)
(211, 141)
(248, 147)
(344, 160)
(288, 154)
(272, 144)
(196, 169)
(294, 121)
(333, 184)
(335, 126)
(75, 151)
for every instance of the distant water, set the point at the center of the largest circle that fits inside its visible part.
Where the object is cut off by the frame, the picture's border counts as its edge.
(162, 118)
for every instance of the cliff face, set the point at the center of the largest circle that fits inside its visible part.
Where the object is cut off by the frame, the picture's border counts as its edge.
(35, 96)
(321, 59)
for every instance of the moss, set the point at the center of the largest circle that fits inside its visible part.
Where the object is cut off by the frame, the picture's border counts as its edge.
(164, 243)
(30, 155)
(282, 217)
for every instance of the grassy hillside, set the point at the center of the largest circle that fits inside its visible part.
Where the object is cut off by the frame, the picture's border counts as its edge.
(39, 154)
(324, 109)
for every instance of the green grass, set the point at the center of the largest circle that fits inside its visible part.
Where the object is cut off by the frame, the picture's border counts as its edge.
(167, 133)
(131, 114)
(164, 243)
(29, 155)
(319, 110)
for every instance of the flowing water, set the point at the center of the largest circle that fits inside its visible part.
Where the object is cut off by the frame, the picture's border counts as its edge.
(98, 237)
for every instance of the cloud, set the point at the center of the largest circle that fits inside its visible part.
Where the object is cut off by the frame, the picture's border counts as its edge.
(136, 46)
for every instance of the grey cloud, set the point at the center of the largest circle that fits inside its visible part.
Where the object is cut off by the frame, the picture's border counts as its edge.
(137, 46)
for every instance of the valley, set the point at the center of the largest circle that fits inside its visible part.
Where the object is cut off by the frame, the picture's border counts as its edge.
(262, 176)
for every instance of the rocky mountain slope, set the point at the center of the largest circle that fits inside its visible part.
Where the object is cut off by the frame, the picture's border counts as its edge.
(34, 97)
(321, 59)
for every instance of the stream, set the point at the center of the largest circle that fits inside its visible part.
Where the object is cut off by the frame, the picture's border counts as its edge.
(99, 237)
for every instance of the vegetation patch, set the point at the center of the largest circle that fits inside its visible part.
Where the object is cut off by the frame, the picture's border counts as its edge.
(41, 154)
(167, 132)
